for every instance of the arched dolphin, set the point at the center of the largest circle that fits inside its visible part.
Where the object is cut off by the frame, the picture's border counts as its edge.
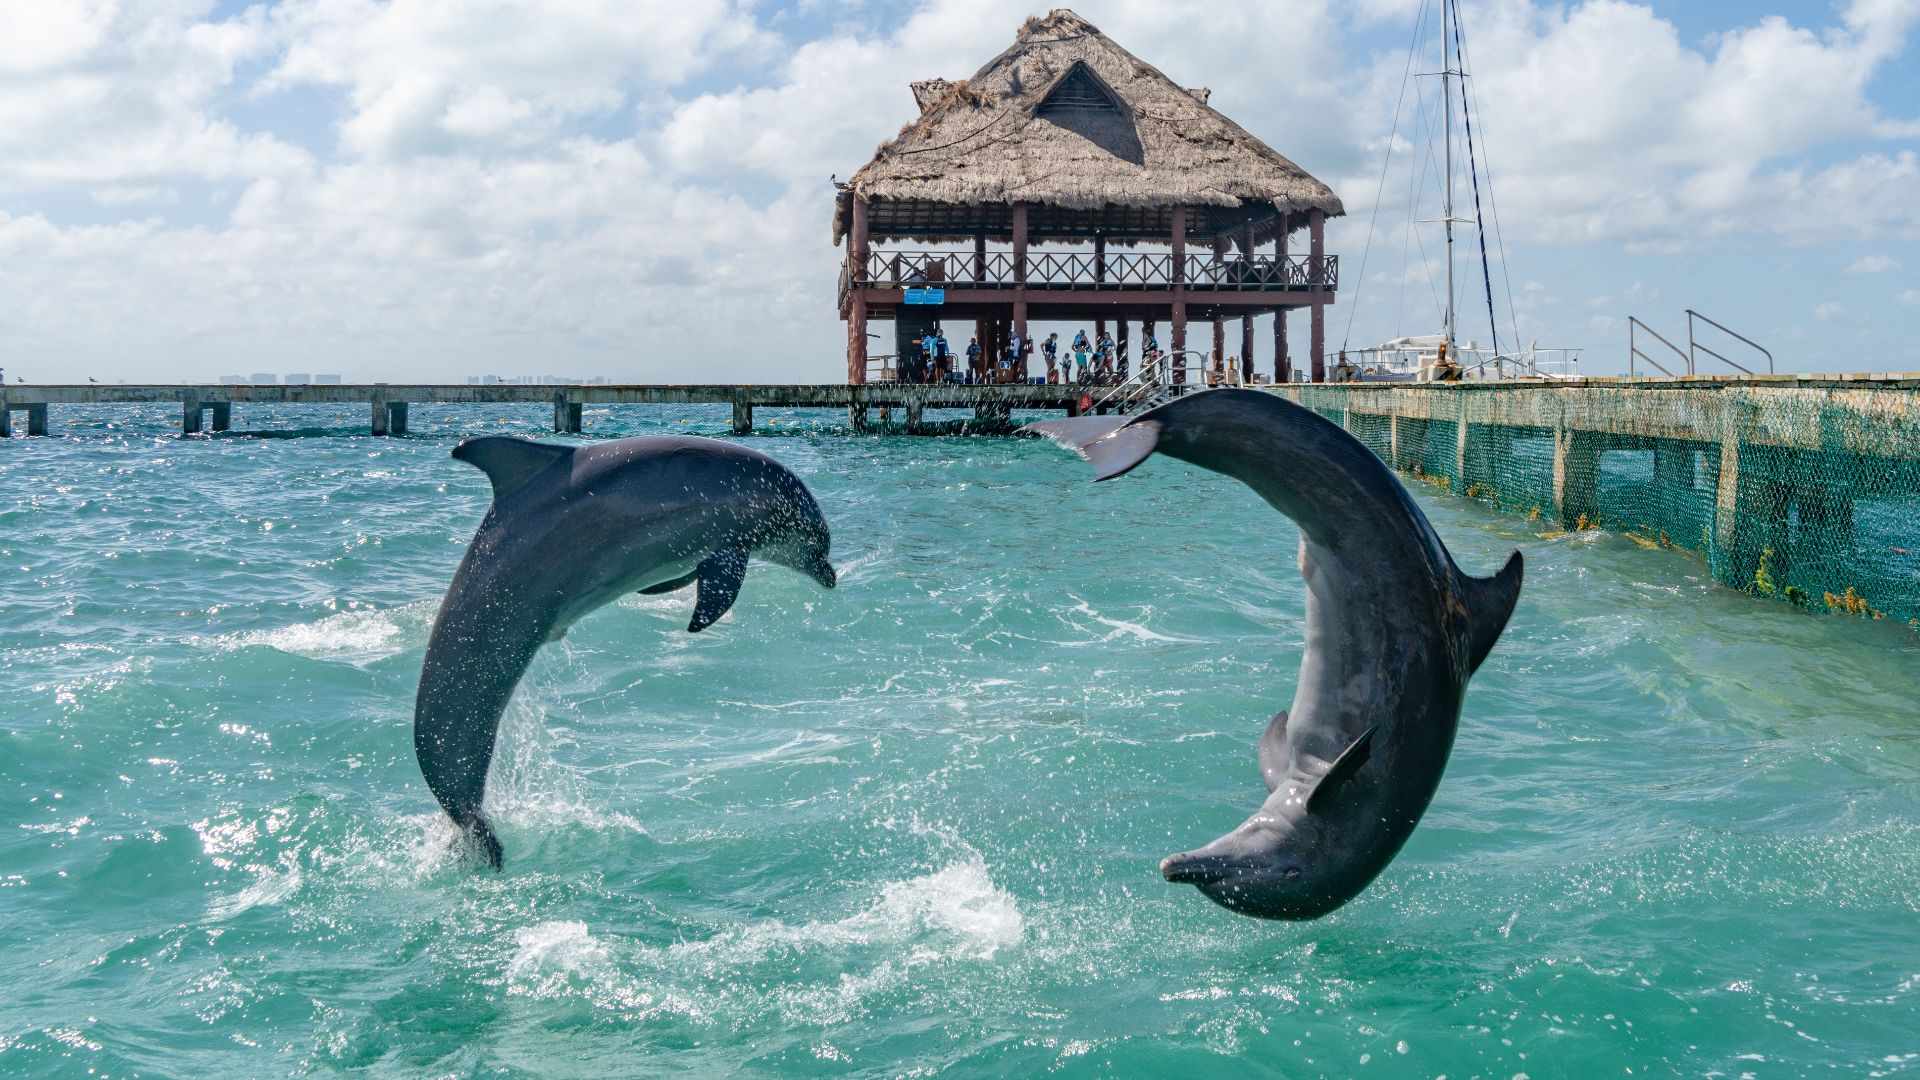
(570, 529)
(1394, 629)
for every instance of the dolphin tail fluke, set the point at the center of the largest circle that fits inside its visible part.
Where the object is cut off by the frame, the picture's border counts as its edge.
(1112, 444)
(1490, 604)
(480, 835)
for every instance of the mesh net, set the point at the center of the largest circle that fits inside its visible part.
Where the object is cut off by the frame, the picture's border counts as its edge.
(1802, 491)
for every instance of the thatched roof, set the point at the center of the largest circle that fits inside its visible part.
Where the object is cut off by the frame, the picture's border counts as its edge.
(1066, 120)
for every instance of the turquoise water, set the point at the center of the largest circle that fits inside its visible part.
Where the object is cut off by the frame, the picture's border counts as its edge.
(908, 827)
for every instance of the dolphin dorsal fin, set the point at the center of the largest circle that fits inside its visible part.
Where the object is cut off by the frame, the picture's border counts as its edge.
(1490, 604)
(1357, 753)
(509, 462)
(1273, 751)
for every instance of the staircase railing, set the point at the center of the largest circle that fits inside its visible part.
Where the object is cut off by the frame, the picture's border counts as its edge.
(1694, 345)
(1634, 325)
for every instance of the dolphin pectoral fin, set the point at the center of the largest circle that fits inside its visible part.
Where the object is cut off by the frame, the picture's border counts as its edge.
(1113, 445)
(508, 462)
(1355, 755)
(1490, 604)
(671, 586)
(720, 575)
(1273, 751)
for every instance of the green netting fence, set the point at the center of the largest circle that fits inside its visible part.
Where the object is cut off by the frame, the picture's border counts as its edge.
(1802, 490)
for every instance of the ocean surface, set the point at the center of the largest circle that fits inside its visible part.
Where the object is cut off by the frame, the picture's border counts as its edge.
(909, 826)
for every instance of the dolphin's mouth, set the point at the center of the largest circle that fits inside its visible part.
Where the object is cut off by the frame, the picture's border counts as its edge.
(1190, 869)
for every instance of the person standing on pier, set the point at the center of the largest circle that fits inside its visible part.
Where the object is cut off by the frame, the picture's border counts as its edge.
(1052, 351)
(942, 356)
(973, 358)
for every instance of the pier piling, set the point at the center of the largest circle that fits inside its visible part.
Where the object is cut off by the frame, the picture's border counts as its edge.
(222, 415)
(742, 415)
(190, 414)
(567, 415)
(36, 419)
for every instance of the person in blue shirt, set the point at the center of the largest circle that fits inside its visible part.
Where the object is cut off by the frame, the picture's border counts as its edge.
(973, 358)
(1052, 350)
(942, 358)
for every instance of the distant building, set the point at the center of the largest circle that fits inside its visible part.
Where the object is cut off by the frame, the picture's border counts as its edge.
(299, 378)
(264, 378)
(232, 380)
(326, 380)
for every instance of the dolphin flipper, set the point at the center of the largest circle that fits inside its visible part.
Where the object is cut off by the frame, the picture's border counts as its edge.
(720, 576)
(1273, 751)
(1357, 753)
(1490, 602)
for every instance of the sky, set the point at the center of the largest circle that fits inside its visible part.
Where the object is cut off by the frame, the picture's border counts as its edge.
(414, 190)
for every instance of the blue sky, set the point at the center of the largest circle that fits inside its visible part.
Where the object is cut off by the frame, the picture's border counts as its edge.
(415, 189)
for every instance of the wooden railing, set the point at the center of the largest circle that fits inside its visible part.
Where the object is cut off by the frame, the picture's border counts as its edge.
(1088, 270)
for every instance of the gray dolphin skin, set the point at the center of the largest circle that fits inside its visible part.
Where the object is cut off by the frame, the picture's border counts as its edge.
(1393, 631)
(570, 529)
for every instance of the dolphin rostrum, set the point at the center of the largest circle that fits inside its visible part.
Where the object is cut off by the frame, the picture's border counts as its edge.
(1393, 632)
(570, 529)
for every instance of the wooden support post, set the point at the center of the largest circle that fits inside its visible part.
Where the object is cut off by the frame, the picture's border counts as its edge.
(1020, 328)
(1316, 274)
(37, 419)
(1282, 363)
(857, 306)
(980, 256)
(190, 414)
(1219, 354)
(1179, 315)
(1576, 477)
(1019, 243)
(1120, 347)
(1178, 342)
(1462, 436)
(742, 414)
(857, 415)
(1246, 349)
(222, 415)
(916, 411)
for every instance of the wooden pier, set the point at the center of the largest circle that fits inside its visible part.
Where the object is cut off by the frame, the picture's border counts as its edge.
(208, 407)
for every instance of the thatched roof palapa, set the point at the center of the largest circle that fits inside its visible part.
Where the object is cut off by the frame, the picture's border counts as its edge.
(1092, 138)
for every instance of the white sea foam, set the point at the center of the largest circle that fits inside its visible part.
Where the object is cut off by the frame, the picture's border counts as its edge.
(357, 636)
(1121, 628)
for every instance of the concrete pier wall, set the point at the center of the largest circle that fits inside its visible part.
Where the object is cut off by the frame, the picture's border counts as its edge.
(1805, 489)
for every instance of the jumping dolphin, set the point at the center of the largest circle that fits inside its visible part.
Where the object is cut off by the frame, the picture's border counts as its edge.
(1394, 630)
(570, 529)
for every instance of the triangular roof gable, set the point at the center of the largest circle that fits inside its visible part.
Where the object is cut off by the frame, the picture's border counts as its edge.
(1079, 87)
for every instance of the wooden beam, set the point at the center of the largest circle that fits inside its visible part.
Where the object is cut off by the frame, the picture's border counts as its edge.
(1317, 331)
(857, 309)
(1020, 243)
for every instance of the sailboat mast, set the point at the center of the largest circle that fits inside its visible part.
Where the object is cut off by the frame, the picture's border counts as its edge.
(1446, 215)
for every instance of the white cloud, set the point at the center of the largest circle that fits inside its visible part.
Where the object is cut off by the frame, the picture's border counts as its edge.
(1911, 296)
(105, 93)
(1873, 264)
(1828, 311)
(429, 76)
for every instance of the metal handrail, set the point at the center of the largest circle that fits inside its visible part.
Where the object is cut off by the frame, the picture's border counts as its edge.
(1633, 348)
(1693, 345)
